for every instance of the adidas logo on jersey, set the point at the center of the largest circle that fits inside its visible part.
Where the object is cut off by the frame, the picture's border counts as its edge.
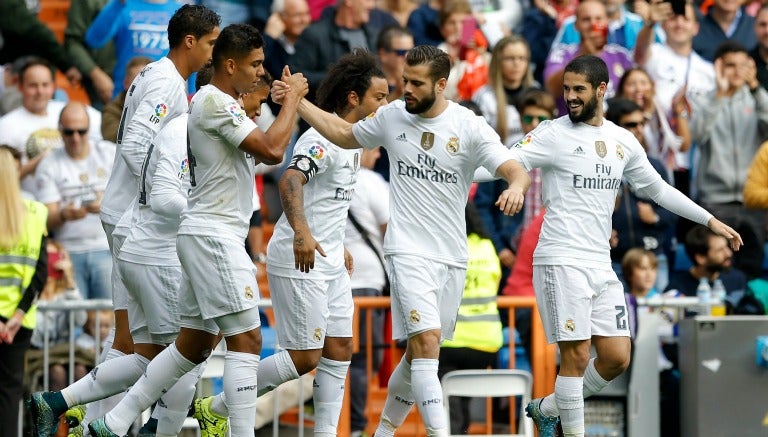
(401, 137)
(578, 151)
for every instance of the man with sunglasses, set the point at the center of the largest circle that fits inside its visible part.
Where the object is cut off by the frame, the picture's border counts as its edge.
(70, 182)
(394, 43)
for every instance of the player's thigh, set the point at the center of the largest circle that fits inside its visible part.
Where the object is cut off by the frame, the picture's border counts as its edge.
(220, 273)
(156, 290)
(341, 306)
(564, 298)
(190, 310)
(301, 311)
(450, 300)
(610, 314)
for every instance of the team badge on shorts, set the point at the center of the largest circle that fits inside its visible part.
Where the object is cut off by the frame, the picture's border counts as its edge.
(101, 172)
(570, 325)
(452, 146)
(601, 149)
(415, 317)
(619, 152)
(84, 178)
(317, 335)
(427, 140)
(248, 293)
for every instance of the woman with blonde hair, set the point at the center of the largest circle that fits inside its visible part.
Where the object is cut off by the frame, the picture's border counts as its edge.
(23, 272)
(509, 76)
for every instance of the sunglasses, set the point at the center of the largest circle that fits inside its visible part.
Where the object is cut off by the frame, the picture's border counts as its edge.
(398, 52)
(528, 119)
(70, 132)
(632, 124)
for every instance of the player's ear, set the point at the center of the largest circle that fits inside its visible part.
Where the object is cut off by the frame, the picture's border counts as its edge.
(353, 99)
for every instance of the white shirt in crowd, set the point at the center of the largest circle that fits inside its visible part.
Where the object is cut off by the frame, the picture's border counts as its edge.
(370, 205)
(164, 183)
(158, 94)
(216, 127)
(59, 178)
(327, 195)
(432, 163)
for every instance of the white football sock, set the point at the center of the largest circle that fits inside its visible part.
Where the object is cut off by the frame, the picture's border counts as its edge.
(106, 379)
(161, 374)
(240, 385)
(593, 382)
(275, 370)
(399, 401)
(569, 395)
(173, 406)
(429, 395)
(328, 394)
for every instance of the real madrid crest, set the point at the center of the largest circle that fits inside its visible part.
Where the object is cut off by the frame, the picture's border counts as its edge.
(414, 316)
(248, 293)
(619, 152)
(570, 325)
(427, 140)
(601, 149)
(317, 335)
(452, 146)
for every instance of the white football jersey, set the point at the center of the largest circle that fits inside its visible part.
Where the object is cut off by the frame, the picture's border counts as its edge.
(162, 196)
(432, 162)
(59, 178)
(326, 201)
(221, 201)
(582, 169)
(158, 94)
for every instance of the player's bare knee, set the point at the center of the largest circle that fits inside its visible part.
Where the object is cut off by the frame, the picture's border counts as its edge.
(425, 344)
(574, 357)
(338, 348)
(248, 341)
(305, 361)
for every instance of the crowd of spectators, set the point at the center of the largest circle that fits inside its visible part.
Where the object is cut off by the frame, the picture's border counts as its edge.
(687, 79)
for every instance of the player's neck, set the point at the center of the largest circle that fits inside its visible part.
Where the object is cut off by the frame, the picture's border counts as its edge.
(225, 85)
(440, 105)
(181, 64)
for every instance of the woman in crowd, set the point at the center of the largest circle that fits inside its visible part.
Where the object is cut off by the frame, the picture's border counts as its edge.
(509, 77)
(23, 272)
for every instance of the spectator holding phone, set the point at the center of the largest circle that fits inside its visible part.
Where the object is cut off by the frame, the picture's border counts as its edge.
(467, 48)
(592, 25)
(70, 182)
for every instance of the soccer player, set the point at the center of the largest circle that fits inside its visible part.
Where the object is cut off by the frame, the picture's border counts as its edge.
(583, 158)
(434, 147)
(218, 289)
(158, 94)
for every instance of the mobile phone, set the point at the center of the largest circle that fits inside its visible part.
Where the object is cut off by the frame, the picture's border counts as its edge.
(678, 6)
(468, 28)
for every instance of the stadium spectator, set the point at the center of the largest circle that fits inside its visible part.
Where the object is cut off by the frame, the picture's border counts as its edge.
(469, 59)
(760, 52)
(393, 43)
(399, 9)
(729, 126)
(756, 185)
(424, 24)
(71, 182)
(725, 20)
(113, 111)
(541, 23)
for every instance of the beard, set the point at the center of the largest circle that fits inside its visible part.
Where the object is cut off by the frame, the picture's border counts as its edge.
(422, 105)
(588, 111)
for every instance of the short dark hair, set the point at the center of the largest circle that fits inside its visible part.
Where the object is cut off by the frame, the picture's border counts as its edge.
(590, 66)
(538, 98)
(352, 72)
(729, 46)
(33, 61)
(137, 61)
(389, 33)
(203, 76)
(619, 107)
(191, 20)
(439, 62)
(235, 42)
(697, 241)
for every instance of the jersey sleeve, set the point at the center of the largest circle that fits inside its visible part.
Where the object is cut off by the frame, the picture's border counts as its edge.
(639, 172)
(168, 198)
(536, 149)
(489, 150)
(223, 116)
(369, 131)
(314, 149)
(45, 181)
(135, 135)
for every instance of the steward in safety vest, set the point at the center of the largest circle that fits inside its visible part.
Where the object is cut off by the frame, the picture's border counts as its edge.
(23, 266)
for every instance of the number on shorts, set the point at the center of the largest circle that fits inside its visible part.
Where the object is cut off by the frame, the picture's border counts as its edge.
(621, 321)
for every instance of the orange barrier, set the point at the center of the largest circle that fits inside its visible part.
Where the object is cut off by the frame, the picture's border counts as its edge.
(542, 363)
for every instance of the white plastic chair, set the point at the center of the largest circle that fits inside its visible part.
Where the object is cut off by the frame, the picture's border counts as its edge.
(482, 383)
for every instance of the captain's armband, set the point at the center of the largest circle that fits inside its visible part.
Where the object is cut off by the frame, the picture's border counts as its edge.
(305, 165)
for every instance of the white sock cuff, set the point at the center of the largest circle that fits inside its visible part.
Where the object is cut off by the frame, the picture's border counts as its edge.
(593, 382)
(183, 364)
(569, 392)
(337, 369)
(285, 363)
(114, 353)
(424, 364)
(141, 360)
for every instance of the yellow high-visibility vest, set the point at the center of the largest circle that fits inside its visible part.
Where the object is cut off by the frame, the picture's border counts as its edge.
(17, 264)
(478, 325)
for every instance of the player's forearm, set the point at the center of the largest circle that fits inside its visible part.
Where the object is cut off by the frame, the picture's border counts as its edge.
(292, 199)
(515, 175)
(334, 128)
(280, 132)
